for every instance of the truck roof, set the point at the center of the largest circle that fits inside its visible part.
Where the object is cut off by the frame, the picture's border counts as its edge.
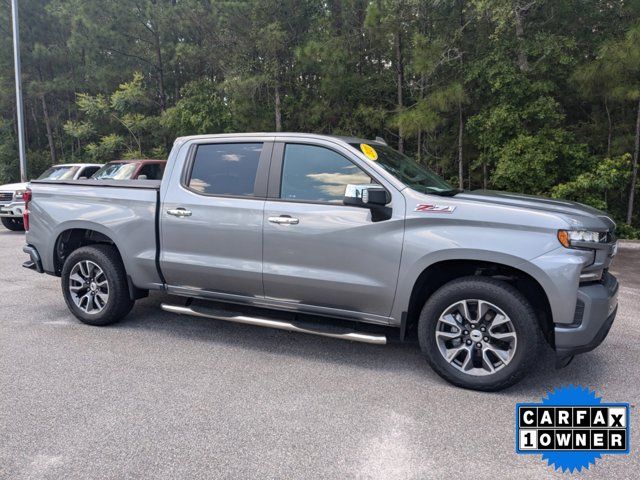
(137, 160)
(346, 139)
(77, 165)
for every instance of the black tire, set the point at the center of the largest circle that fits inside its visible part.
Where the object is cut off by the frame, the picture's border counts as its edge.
(15, 224)
(119, 304)
(511, 302)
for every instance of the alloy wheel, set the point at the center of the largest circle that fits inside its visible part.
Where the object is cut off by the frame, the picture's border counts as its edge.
(476, 337)
(89, 287)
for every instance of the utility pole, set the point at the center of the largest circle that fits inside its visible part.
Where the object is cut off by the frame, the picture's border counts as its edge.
(19, 106)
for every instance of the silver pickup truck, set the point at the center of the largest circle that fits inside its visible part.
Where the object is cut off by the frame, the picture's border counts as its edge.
(338, 237)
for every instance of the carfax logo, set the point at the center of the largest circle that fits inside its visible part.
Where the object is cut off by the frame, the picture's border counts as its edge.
(572, 428)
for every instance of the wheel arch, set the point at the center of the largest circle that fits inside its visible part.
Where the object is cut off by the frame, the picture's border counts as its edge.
(436, 274)
(71, 239)
(74, 238)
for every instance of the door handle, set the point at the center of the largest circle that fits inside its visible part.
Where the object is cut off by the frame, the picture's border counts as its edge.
(179, 212)
(284, 220)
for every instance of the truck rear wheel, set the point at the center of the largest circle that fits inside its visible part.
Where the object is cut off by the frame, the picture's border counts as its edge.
(479, 333)
(94, 285)
(15, 224)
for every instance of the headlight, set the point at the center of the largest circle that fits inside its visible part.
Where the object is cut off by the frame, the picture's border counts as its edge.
(571, 238)
(18, 194)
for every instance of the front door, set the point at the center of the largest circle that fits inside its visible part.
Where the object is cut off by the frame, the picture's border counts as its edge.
(211, 220)
(319, 252)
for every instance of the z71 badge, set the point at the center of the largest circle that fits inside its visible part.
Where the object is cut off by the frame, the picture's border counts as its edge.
(427, 208)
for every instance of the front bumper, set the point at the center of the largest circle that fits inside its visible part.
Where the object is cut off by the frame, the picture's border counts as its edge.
(13, 209)
(599, 304)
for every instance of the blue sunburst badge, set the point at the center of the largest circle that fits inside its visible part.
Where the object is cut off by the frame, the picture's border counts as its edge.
(572, 428)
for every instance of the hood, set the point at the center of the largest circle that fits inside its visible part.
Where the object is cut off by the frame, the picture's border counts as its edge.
(576, 214)
(12, 187)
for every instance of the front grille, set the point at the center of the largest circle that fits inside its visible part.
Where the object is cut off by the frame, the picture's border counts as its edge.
(6, 196)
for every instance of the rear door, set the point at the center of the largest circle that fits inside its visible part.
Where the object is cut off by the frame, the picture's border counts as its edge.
(319, 252)
(212, 217)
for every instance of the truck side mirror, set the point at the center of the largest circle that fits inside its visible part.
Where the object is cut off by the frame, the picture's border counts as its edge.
(371, 196)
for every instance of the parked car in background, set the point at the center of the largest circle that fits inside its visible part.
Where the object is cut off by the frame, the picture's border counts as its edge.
(12, 203)
(131, 170)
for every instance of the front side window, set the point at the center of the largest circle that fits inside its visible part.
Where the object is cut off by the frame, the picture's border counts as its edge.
(317, 174)
(225, 168)
(59, 173)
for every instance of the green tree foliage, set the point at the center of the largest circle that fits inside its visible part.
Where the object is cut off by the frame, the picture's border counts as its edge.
(200, 110)
(533, 96)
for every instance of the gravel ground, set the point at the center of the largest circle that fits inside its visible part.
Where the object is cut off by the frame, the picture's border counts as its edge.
(163, 396)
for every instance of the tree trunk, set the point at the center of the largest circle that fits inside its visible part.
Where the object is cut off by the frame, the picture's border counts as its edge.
(278, 111)
(634, 168)
(161, 90)
(460, 157)
(610, 127)
(523, 61)
(35, 125)
(335, 7)
(158, 51)
(400, 79)
(47, 123)
(460, 115)
(484, 175)
(419, 156)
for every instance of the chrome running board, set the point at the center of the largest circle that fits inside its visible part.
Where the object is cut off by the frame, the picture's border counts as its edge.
(235, 317)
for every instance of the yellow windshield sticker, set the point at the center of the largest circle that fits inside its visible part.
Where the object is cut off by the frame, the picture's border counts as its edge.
(369, 151)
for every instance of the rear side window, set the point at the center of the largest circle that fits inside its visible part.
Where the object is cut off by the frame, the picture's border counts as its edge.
(225, 168)
(317, 174)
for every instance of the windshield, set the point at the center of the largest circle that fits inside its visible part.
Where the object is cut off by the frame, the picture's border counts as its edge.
(116, 171)
(405, 169)
(59, 173)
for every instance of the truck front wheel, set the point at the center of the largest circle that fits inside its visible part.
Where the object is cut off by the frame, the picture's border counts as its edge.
(479, 333)
(94, 285)
(15, 224)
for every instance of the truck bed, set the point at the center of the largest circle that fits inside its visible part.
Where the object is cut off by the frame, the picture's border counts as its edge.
(125, 211)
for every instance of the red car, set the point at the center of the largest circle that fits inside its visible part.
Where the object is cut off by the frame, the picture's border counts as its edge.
(131, 170)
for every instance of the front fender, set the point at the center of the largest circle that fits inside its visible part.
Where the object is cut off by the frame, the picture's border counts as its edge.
(556, 269)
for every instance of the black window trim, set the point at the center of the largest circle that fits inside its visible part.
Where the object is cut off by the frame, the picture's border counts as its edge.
(276, 170)
(262, 173)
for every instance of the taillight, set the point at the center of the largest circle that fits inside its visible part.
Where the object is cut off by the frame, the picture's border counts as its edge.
(26, 196)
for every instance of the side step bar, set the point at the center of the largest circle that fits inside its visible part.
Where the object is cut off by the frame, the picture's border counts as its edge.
(343, 334)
